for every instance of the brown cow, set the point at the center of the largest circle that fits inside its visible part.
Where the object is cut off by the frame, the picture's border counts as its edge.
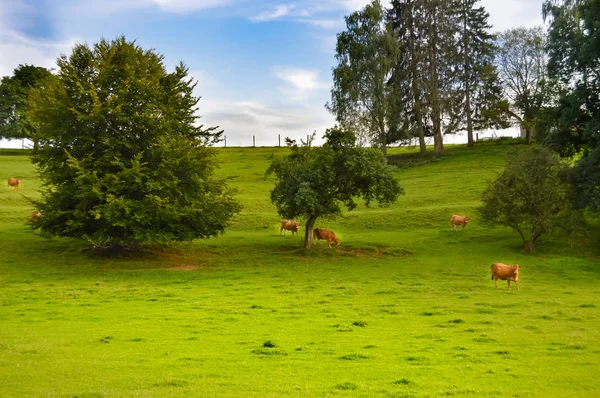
(34, 216)
(289, 225)
(14, 182)
(506, 273)
(327, 235)
(458, 220)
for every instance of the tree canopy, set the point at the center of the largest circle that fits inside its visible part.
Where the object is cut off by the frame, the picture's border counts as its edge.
(122, 158)
(366, 53)
(313, 182)
(529, 195)
(14, 92)
(522, 62)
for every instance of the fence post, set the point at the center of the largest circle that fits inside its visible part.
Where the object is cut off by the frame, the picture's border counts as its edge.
(253, 141)
(225, 141)
(279, 139)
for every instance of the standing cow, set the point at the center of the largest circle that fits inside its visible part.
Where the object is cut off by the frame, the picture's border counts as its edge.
(458, 220)
(289, 225)
(506, 273)
(14, 182)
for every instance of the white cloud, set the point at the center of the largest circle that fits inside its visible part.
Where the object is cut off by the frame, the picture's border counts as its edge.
(191, 5)
(302, 79)
(513, 13)
(242, 119)
(278, 12)
(300, 83)
(17, 49)
(331, 24)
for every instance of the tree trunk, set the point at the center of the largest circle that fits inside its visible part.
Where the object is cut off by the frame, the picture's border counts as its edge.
(415, 88)
(529, 133)
(310, 223)
(467, 77)
(383, 138)
(436, 113)
(529, 245)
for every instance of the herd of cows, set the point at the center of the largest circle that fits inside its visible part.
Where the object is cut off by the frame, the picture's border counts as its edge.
(499, 270)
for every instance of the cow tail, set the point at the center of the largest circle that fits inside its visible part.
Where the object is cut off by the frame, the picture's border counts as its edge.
(492, 277)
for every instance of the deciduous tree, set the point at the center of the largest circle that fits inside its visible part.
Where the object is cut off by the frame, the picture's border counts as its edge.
(14, 92)
(529, 195)
(521, 61)
(314, 182)
(366, 54)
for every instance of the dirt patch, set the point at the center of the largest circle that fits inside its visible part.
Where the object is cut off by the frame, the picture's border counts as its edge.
(183, 267)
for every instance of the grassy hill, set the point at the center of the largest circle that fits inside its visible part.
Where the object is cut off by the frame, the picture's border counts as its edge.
(403, 308)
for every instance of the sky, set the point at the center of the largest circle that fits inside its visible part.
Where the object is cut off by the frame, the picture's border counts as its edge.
(263, 67)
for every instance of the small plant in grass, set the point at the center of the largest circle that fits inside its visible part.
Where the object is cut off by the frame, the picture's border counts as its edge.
(403, 381)
(346, 386)
(361, 324)
(269, 344)
(353, 357)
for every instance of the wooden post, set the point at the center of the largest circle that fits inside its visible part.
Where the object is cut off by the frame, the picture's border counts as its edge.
(279, 139)
(225, 141)
(253, 141)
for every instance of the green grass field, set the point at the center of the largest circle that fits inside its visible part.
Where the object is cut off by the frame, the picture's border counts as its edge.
(403, 308)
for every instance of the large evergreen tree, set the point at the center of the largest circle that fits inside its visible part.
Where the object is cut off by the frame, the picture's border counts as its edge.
(121, 156)
(407, 74)
(478, 98)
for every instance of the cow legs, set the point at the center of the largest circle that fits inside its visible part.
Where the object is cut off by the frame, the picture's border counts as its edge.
(496, 282)
(508, 280)
(517, 282)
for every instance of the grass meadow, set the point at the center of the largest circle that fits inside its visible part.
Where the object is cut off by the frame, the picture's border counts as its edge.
(405, 307)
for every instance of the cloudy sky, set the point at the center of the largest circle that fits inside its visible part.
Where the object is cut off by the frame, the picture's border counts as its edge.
(263, 66)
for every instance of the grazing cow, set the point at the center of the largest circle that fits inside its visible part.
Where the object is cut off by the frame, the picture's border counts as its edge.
(289, 225)
(327, 235)
(14, 182)
(506, 273)
(458, 220)
(34, 216)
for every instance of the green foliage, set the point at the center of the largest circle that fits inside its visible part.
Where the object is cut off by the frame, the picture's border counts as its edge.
(573, 124)
(315, 182)
(14, 91)
(366, 52)
(529, 194)
(478, 94)
(121, 157)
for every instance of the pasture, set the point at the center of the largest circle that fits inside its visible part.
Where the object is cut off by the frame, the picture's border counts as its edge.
(405, 307)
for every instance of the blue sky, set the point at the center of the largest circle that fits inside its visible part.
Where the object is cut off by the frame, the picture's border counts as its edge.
(263, 66)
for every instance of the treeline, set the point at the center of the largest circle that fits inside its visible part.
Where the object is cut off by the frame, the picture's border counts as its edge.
(425, 68)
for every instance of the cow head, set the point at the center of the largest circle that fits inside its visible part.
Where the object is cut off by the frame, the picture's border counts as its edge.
(467, 219)
(516, 267)
(337, 241)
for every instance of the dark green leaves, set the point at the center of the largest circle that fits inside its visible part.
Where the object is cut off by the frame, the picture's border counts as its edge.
(121, 156)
